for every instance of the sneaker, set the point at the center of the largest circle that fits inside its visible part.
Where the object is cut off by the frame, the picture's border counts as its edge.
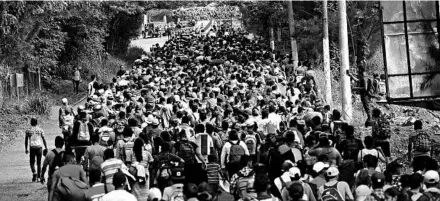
(34, 177)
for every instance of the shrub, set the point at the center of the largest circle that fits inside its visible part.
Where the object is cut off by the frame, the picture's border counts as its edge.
(38, 104)
(134, 53)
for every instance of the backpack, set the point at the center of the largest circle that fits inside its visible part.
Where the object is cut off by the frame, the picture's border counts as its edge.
(236, 152)
(177, 171)
(177, 195)
(431, 196)
(376, 197)
(84, 134)
(57, 161)
(351, 149)
(106, 140)
(251, 143)
(187, 153)
(338, 130)
(271, 127)
(127, 150)
(331, 193)
(70, 188)
(165, 171)
(422, 142)
(383, 128)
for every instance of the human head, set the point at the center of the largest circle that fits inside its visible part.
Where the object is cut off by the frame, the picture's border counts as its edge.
(34, 121)
(332, 173)
(378, 180)
(320, 168)
(349, 131)
(94, 139)
(362, 192)
(418, 125)
(431, 178)
(261, 183)
(108, 154)
(233, 135)
(296, 191)
(59, 142)
(376, 112)
(416, 180)
(119, 180)
(69, 157)
(369, 142)
(391, 194)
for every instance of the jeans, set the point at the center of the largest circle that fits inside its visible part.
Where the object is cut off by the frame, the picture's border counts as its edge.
(79, 152)
(36, 153)
(76, 86)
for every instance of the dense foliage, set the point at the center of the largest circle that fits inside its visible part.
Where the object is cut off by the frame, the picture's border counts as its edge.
(56, 36)
(363, 27)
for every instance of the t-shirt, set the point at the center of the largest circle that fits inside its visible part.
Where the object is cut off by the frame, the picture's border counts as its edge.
(119, 195)
(343, 189)
(35, 134)
(204, 145)
(213, 170)
(110, 167)
(168, 191)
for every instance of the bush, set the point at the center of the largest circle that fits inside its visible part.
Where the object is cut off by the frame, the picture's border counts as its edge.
(134, 53)
(38, 104)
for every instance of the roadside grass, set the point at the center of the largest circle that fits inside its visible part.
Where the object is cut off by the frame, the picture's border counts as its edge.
(16, 114)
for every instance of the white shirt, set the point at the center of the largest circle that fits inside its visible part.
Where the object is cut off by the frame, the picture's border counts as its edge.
(286, 178)
(227, 150)
(199, 145)
(119, 195)
(275, 118)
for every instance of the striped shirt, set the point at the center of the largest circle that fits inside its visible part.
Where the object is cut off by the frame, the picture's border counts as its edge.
(35, 134)
(213, 170)
(110, 167)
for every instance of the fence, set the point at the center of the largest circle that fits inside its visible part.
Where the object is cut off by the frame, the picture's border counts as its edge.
(18, 85)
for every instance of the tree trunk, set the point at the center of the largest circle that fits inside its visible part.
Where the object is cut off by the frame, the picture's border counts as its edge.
(347, 112)
(326, 55)
(293, 46)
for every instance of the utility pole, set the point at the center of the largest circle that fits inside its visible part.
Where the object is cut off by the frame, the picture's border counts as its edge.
(326, 55)
(293, 45)
(345, 62)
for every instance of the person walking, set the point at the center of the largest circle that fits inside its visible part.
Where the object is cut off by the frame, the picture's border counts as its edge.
(76, 80)
(34, 142)
(90, 87)
(52, 160)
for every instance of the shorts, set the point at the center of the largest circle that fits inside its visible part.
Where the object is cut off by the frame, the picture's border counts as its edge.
(385, 146)
(214, 188)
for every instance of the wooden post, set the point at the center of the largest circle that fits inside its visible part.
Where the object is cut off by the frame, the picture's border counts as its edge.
(326, 55)
(39, 78)
(345, 62)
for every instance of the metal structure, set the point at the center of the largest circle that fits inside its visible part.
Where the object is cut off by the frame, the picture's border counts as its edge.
(411, 50)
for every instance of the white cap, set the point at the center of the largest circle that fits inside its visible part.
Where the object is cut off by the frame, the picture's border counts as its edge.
(319, 166)
(154, 193)
(294, 171)
(64, 100)
(332, 172)
(431, 177)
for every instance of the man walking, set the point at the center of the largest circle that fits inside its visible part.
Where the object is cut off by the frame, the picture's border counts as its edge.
(76, 80)
(52, 161)
(34, 142)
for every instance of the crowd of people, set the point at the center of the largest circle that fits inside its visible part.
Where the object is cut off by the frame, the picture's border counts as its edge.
(225, 119)
(207, 13)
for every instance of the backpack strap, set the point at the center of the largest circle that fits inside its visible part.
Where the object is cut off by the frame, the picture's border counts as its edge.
(429, 195)
(283, 184)
(376, 197)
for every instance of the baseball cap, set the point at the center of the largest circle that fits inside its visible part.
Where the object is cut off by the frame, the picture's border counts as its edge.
(154, 193)
(119, 178)
(332, 172)
(64, 100)
(431, 177)
(362, 192)
(294, 172)
(319, 166)
(379, 178)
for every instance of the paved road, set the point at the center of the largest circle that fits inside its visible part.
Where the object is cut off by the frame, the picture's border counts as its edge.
(147, 43)
(15, 174)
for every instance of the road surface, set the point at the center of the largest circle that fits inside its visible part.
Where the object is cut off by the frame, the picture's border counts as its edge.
(147, 43)
(15, 173)
(16, 176)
